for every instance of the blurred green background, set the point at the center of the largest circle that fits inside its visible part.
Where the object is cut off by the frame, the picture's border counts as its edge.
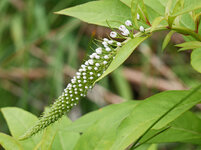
(39, 50)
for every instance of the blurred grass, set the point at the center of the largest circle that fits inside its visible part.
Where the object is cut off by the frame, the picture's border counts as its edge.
(33, 37)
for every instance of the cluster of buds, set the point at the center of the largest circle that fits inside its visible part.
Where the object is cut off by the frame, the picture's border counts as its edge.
(83, 81)
(125, 29)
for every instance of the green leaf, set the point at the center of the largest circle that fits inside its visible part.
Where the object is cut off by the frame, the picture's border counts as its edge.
(123, 53)
(99, 134)
(146, 147)
(119, 128)
(168, 8)
(156, 22)
(196, 59)
(167, 39)
(134, 9)
(97, 12)
(186, 128)
(18, 121)
(9, 143)
(121, 84)
(143, 11)
(64, 140)
(178, 6)
(157, 8)
(81, 124)
(146, 115)
(188, 7)
(189, 45)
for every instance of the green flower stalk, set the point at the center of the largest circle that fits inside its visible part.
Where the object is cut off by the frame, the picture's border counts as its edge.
(84, 79)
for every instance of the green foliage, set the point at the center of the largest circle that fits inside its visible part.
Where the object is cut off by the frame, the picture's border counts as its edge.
(121, 84)
(9, 143)
(104, 128)
(19, 121)
(185, 128)
(98, 12)
(167, 39)
(52, 138)
(161, 118)
(189, 45)
(195, 59)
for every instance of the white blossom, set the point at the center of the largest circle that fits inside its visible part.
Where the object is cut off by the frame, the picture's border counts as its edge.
(91, 62)
(104, 43)
(118, 44)
(108, 49)
(126, 32)
(106, 57)
(138, 16)
(113, 34)
(97, 57)
(110, 41)
(104, 62)
(105, 39)
(141, 28)
(122, 28)
(99, 50)
(128, 23)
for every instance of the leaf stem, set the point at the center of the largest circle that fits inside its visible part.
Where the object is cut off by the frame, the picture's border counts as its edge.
(179, 29)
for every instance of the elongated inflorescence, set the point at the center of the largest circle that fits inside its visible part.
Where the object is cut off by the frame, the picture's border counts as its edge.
(84, 79)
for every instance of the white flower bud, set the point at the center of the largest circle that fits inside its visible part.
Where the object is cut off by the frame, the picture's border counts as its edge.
(91, 62)
(106, 56)
(141, 28)
(91, 56)
(108, 49)
(110, 41)
(126, 32)
(138, 16)
(105, 39)
(128, 23)
(113, 34)
(118, 44)
(122, 28)
(86, 63)
(83, 66)
(104, 44)
(99, 50)
(97, 57)
(78, 73)
(104, 62)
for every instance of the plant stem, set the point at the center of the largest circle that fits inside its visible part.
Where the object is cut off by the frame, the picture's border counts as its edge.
(181, 30)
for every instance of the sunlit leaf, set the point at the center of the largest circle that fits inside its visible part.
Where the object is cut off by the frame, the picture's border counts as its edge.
(167, 39)
(189, 45)
(196, 59)
(18, 121)
(9, 143)
(98, 12)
